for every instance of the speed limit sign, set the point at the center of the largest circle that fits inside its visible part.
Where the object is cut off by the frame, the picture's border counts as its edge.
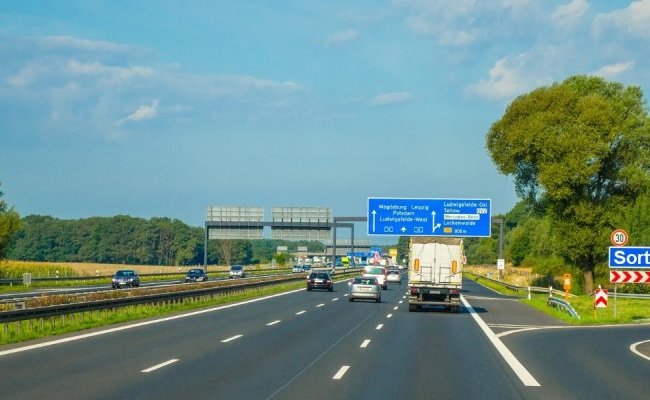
(619, 237)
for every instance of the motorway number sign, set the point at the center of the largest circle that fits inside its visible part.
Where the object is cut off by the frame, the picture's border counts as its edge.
(619, 237)
(600, 298)
(429, 217)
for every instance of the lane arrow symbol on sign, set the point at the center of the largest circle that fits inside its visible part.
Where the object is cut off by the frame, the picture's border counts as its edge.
(434, 226)
(374, 217)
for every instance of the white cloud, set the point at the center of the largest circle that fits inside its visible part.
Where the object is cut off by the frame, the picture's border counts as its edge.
(390, 98)
(451, 22)
(82, 44)
(567, 15)
(504, 81)
(612, 70)
(85, 90)
(342, 37)
(633, 21)
(142, 113)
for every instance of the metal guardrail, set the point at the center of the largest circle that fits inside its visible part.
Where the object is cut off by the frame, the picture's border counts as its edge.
(65, 309)
(562, 304)
(19, 281)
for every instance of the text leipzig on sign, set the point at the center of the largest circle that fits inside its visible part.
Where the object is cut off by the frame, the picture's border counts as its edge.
(429, 217)
(629, 257)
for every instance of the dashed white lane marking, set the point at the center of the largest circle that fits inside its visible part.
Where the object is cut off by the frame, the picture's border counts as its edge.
(320, 305)
(301, 312)
(403, 297)
(230, 339)
(395, 308)
(158, 366)
(341, 372)
(379, 326)
(277, 321)
(346, 295)
(400, 302)
(389, 315)
(139, 324)
(334, 299)
(526, 378)
(365, 343)
(637, 352)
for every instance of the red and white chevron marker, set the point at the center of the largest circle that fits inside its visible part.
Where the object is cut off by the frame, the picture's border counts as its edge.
(600, 298)
(629, 277)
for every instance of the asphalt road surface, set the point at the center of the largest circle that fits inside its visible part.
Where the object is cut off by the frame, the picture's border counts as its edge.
(317, 345)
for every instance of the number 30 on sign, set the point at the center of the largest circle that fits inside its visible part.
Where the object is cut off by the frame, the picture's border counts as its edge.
(619, 237)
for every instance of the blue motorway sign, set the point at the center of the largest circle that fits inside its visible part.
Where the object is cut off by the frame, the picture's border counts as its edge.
(629, 257)
(429, 217)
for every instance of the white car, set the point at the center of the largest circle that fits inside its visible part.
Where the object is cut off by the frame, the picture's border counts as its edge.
(379, 273)
(394, 276)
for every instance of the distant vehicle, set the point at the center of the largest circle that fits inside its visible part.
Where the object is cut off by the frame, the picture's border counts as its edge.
(394, 276)
(365, 287)
(125, 277)
(297, 268)
(320, 280)
(196, 275)
(237, 271)
(379, 273)
(306, 268)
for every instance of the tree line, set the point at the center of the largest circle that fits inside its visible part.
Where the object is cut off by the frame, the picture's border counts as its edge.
(129, 240)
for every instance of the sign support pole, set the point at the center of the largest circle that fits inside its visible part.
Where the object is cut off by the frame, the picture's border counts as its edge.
(615, 286)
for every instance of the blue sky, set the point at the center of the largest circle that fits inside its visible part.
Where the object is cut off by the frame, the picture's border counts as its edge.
(163, 108)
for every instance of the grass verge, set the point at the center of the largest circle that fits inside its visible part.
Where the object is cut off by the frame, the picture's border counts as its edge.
(14, 332)
(627, 310)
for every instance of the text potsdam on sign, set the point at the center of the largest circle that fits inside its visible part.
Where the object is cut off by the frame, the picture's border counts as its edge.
(629, 257)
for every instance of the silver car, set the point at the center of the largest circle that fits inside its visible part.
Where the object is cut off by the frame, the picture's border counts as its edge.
(365, 287)
(237, 271)
(394, 276)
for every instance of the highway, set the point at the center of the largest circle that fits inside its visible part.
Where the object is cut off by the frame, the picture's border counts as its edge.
(317, 345)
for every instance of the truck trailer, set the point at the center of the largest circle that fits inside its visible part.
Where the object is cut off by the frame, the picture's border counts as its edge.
(435, 275)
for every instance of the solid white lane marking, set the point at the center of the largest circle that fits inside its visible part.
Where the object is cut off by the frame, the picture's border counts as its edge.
(341, 372)
(379, 326)
(277, 321)
(334, 299)
(230, 339)
(158, 366)
(320, 305)
(389, 315)
(365, 343)
(526, 378)
(395, 308)
(139, 324)
(637, 352)
(301, 312)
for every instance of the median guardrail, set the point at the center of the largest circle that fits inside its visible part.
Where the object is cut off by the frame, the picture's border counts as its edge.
(167, 297)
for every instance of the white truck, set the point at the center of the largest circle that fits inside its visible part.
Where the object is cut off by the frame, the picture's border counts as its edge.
(435, 275)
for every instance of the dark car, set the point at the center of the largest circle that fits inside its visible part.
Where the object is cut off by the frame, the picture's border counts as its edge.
(320, 280)
(125, 277)
(196, 275)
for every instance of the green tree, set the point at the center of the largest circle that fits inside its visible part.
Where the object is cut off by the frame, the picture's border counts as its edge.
(581, 149)
(403, 245)
(9, 224)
